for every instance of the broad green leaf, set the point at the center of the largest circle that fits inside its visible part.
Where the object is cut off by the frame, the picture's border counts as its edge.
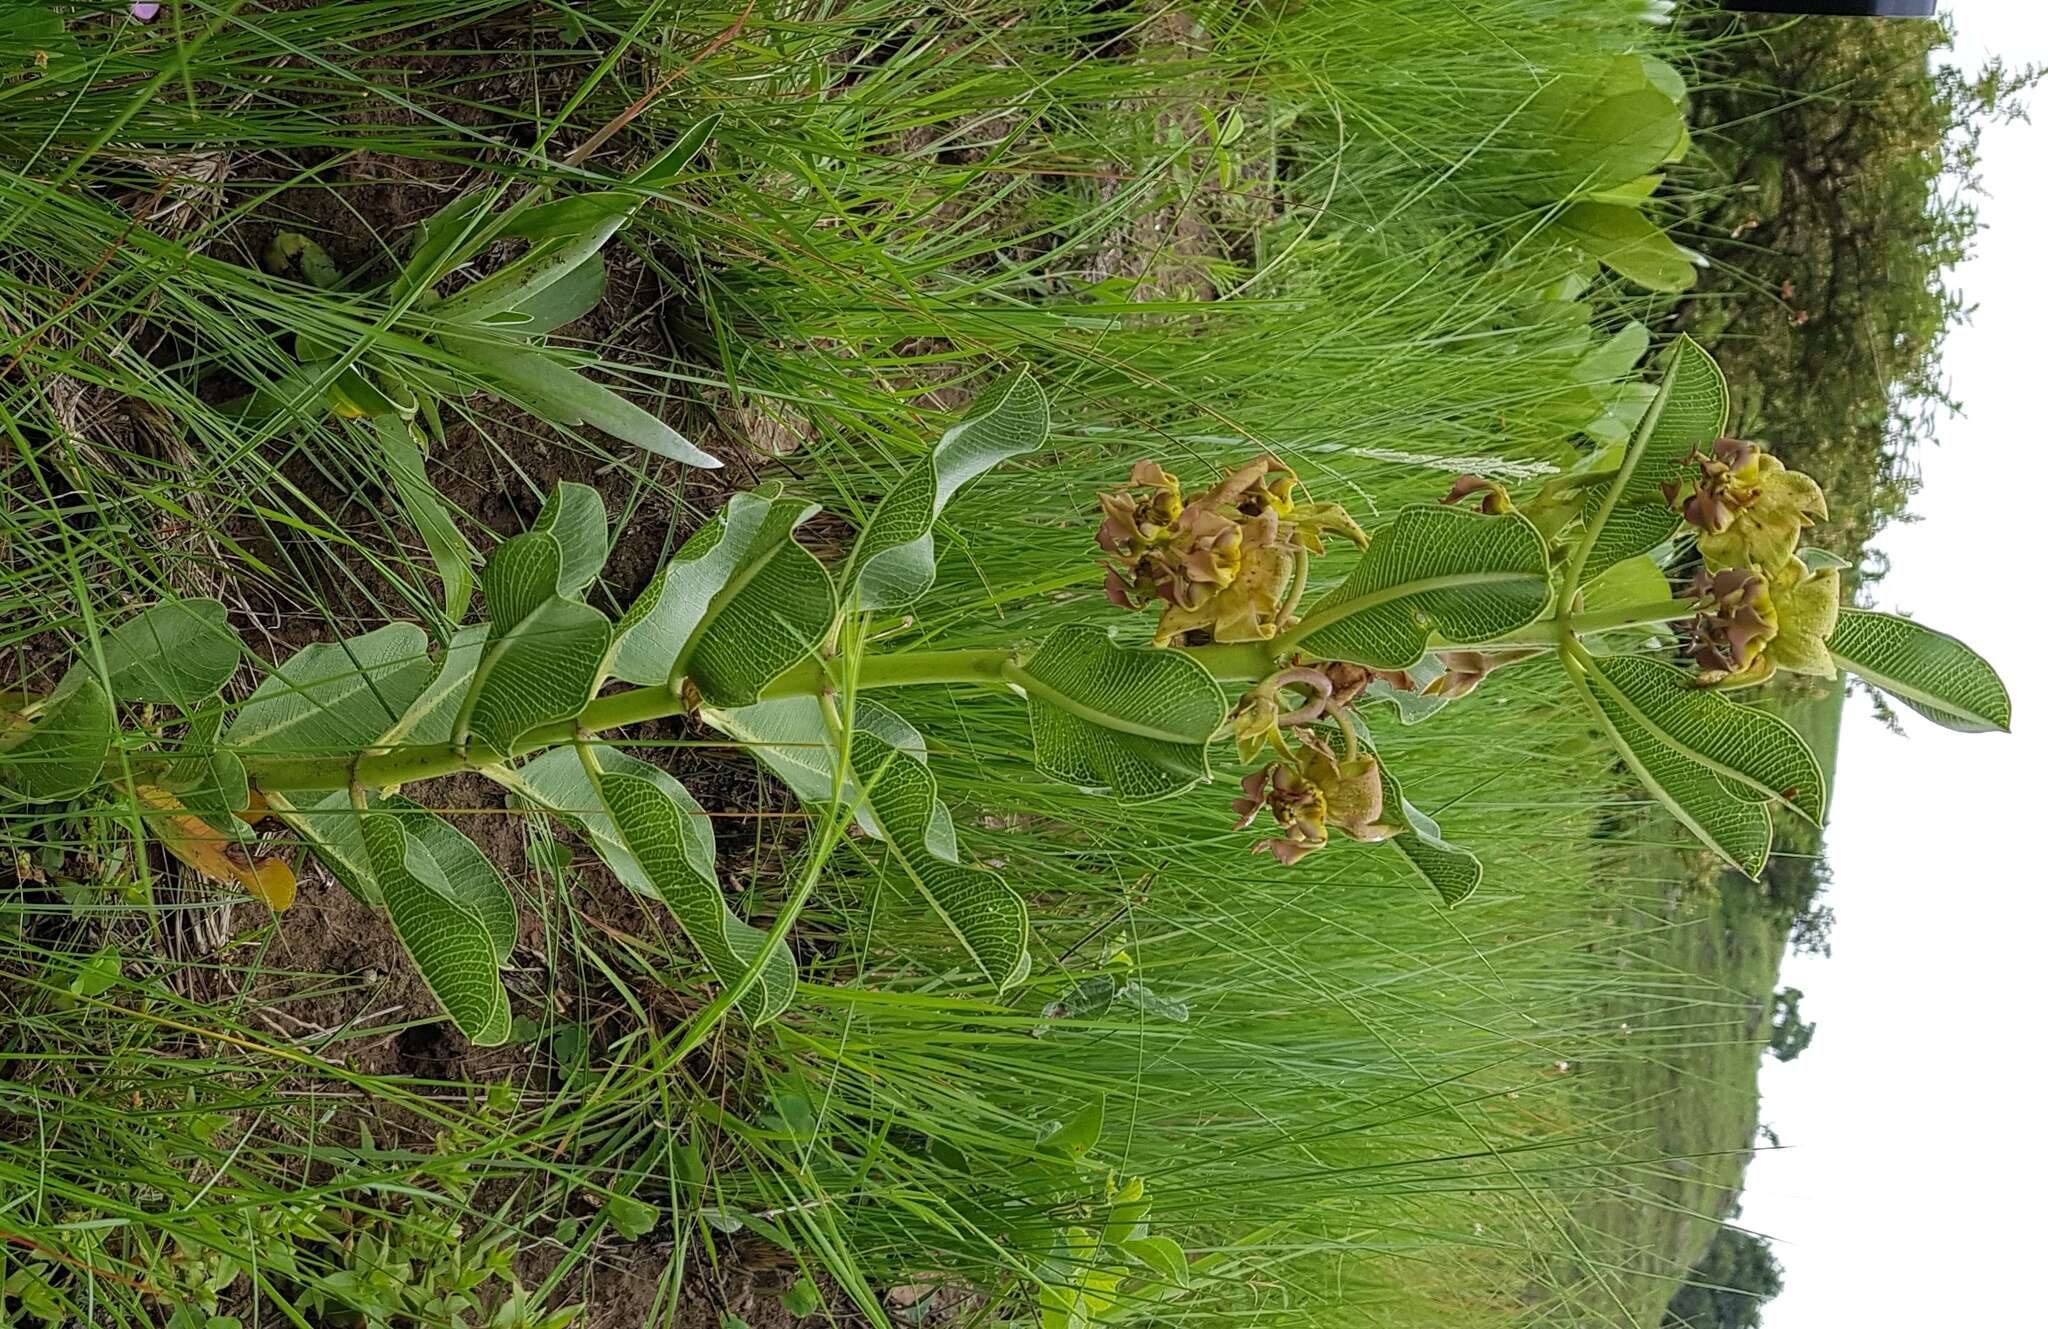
(466, 876)
(332, 828)
(547, 262)
(564, 302)
(1745, 746)
(1614, 359)
(738, 606)
(790, 737)
(1732, 825)
(1076, 1137)
(175, 651)
(430, 720)
(212, 785)
(558, 784)
(1633, 582)
(574, 517)
(1617, 140)
(1454, 871)
(557, 393)
(333, 698)
(1591, 123)
(449, 942)
(666, 839)
(1459, 574)
(329, 824)
(893, 564)
(544, 653)
(1630, 243)
(984, 915)
(1630, 514)
(1134, 720)
(57, 752)
(405, 462)
(1162, 1255)
(1929, 671)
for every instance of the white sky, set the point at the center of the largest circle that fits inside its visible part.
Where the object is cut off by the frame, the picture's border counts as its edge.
(1910, 1189)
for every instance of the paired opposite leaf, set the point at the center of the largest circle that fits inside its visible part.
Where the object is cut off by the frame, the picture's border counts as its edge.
(175, 651)
(1449, 571)
(667, 840)
(1135, 721)
(1689, 413)
(790, 737)
(893, 564)
(656, 839)
(334, 698)
(987, 918)
(57, 753)
(545, 648)
(450, 942)
(332, 828)
(1929, 671)
(738, 606)
(1749, 749)
(1733, 824)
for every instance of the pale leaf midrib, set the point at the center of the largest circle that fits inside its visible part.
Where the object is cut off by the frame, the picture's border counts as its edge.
(741, 578)
(1374, 599)
(1656, 786)
(1045, 692)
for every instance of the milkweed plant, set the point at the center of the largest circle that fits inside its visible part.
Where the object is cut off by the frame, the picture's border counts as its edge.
(1281, 632)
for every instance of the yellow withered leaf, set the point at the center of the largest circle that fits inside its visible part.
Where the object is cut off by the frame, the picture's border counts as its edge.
(213, 855)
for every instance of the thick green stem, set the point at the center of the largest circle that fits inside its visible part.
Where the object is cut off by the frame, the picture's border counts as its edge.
(1230, 662)
(1632, 616)
(1550, 631)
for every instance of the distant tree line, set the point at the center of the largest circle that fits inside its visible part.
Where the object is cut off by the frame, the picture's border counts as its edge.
(1727, 1289)
(1840, 160)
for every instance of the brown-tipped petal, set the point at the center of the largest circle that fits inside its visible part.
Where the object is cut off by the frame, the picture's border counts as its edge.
(1119, 594)
(1464, 487)
(1287, 852)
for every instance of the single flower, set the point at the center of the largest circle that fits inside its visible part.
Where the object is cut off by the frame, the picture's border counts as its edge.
(1312, 792)
(1736, 620)
(1748, 509)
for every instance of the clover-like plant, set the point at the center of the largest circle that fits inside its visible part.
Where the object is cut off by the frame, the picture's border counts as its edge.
(749, 630)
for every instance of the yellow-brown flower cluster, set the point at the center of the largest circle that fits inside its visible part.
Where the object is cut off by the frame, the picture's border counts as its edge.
(1312, 792)
(1222, 561)
(1761, 608)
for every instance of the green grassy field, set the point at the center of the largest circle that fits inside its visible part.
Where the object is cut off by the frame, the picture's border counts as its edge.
(1210, 231)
